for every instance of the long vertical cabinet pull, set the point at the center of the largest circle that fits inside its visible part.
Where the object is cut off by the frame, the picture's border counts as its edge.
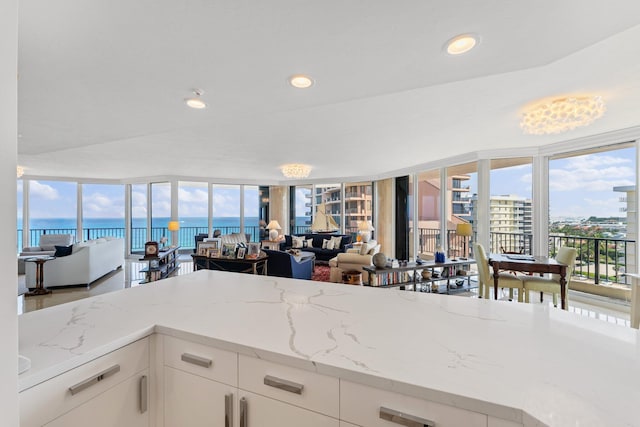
(144, 394)
(243, 412)
(404, 419)
(228, 410)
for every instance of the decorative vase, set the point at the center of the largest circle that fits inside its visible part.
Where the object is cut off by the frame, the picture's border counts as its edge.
(379, 260)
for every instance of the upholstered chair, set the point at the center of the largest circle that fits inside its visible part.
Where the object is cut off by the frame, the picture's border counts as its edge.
(551, 284)
(353, 259)
(485, 280)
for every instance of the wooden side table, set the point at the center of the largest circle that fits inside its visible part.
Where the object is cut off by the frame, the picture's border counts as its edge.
(39, 289)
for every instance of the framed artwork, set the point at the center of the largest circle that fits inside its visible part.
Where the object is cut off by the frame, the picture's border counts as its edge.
(241, 252)
(204, 247)
(228, 250)
(213, 253)
(253, 250)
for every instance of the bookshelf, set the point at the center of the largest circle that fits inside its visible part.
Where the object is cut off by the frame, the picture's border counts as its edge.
(443, 276)
(161, 266)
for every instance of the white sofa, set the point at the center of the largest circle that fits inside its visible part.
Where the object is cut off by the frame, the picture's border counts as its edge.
(88, 261)
(48, 243)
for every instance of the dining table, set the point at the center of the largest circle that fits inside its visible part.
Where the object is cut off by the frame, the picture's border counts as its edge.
(529, 264)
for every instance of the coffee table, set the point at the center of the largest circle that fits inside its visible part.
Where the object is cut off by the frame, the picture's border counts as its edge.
(39, 261)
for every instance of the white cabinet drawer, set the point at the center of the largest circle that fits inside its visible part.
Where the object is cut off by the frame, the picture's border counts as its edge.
(318, 392)
(260, 411)
(202, 360)
(50, 399)
(361, 405)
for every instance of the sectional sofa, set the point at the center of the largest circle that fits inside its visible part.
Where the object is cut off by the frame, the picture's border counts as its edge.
(322, 254)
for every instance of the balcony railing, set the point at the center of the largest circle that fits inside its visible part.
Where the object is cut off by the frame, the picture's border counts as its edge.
(138, 234)
(600, 260)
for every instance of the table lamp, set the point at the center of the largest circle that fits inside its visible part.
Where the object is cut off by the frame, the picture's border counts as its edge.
(173, 226)
(365, 228)
(464, 230)
(273, 228)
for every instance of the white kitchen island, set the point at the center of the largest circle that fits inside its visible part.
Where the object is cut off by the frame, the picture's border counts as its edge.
(501, 363)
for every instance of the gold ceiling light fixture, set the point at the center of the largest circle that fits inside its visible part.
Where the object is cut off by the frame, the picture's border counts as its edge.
(462, 43)
(19, 171)
(300, 81)
(296, 170)
(196, 101)
(562, 114)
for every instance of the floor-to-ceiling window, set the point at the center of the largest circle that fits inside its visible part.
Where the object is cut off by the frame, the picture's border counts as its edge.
(510, 205)
(138, 216)
(429, 207)
(160, 211)
(102, 210)
(358, 206)
(302, 215)
(328, 197)
(52, 209)
(19, 189)
(462, 186)
(193, 211)
(226, 208)
(592, 205)
(251, 212)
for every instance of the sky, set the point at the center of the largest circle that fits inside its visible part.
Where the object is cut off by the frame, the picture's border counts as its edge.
(580, 186)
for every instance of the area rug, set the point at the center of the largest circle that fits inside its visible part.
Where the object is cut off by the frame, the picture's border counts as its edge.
(321, 273)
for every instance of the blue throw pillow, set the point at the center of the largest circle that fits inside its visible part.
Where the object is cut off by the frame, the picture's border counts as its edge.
(63, 251)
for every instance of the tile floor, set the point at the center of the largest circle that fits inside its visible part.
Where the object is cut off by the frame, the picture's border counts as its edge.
(605, 309)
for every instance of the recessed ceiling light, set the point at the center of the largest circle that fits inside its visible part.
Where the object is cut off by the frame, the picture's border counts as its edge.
(301, 81)
(196, 102)
(461, 44)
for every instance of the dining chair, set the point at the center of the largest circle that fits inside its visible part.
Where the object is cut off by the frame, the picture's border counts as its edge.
(485, 282)
(566, 255)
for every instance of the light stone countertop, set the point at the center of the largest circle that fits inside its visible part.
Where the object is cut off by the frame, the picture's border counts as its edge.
(528, 363)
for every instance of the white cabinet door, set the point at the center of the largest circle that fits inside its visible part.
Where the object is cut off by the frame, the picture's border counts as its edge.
(126, 404)
(191, 400)
(260, 411)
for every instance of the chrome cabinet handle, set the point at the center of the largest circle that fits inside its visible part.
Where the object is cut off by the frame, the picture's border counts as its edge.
(285, 385)
(196, 360)
(243, 412)
(77, 388)
(228, 410)
(144, 394)
(404, 419)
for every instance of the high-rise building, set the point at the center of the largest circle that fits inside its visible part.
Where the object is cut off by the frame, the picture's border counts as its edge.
(509, 222)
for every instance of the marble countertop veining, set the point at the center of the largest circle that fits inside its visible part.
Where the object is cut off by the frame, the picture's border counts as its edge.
(526, 363)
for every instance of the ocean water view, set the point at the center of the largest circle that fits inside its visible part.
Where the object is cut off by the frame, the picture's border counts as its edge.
(100, 227)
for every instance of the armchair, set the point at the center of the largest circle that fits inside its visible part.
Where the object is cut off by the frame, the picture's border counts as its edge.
(283, 264)
(353, 259)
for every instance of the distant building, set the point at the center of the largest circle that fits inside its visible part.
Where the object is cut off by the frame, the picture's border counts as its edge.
(631, 206)
(510, 223)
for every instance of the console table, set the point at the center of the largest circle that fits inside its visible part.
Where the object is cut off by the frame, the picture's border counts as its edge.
(161, 266)
(239, 265)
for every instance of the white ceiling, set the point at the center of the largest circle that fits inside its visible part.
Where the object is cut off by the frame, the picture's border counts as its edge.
(102, 82)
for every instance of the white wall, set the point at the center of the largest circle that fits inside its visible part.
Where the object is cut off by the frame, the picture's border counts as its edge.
(8, 263)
